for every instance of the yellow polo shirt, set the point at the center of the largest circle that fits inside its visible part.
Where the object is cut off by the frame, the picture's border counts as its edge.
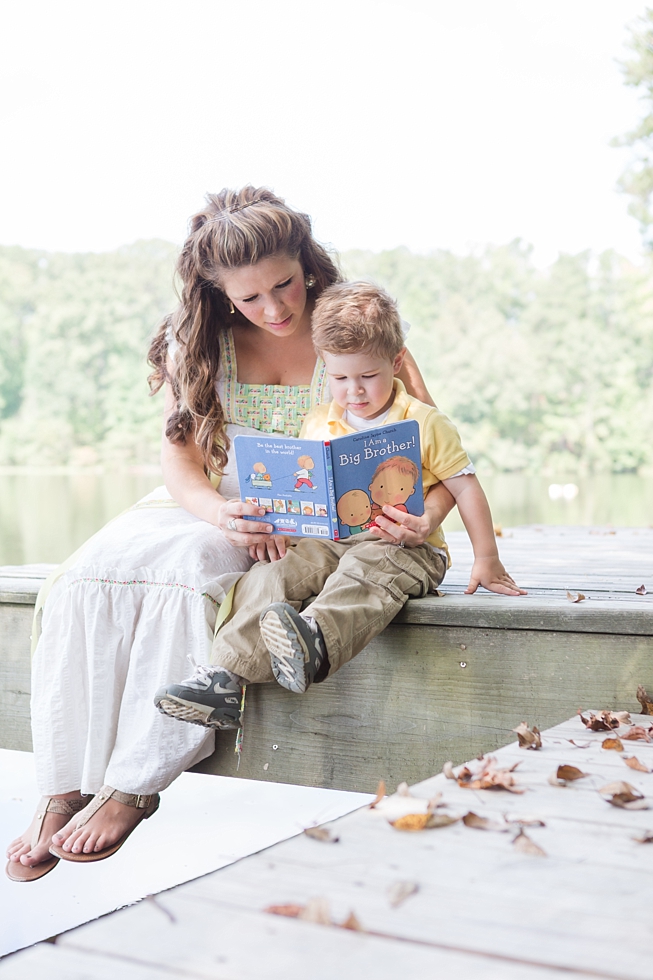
(442, 453)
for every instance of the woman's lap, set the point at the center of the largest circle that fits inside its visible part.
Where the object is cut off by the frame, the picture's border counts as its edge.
(118, 624)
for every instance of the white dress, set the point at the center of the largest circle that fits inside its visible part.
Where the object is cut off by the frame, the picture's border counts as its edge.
(119, 623)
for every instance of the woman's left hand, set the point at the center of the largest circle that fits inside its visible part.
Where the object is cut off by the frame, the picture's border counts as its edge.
(398, 527)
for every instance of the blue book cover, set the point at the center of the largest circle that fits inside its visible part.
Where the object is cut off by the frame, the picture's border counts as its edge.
(331, 489)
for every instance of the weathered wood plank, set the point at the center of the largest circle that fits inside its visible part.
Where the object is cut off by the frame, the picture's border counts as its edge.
(15, 665)
(406, 704)
(481, 907)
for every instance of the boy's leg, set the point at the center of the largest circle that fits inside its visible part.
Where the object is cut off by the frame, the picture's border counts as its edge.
(371, 584)
(300, 574)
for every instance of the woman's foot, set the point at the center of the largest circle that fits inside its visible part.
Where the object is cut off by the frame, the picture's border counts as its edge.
(20, 851)
(111, 822)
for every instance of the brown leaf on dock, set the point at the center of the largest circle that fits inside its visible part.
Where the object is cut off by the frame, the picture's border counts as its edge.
(447, 769)
(380, 793)
(634, 763)
(317, 911)
(351, 922)
(645, 838)
(623, 795)
(576, 596)
(402, 790)
(489, 777)
(484, 823)
(498, 531)
(525, 845)
(579, 745)
(642, 590)
(566, 774)
(612, 743)
(643, 698)
(321, 833)
(605, 721)
(529, 738)
(399, 891)
(423, 821)
(637, 734)
(290, 910)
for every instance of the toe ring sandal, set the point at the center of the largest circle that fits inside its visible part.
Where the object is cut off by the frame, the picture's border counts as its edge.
(68, 808)
(146, 804)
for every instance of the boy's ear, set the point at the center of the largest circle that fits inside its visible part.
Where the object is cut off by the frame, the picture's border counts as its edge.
(398, 361)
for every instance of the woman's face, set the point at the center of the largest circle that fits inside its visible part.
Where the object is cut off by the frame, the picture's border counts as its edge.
(271, 294)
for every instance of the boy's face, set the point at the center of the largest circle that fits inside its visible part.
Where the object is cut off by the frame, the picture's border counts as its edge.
(362, 383)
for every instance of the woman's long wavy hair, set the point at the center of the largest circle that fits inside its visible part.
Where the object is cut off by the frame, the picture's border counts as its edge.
(235, 229)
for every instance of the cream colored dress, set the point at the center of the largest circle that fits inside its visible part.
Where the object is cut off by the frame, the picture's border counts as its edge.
(118, 624)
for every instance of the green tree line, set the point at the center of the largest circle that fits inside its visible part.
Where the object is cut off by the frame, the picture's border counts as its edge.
(543, 370)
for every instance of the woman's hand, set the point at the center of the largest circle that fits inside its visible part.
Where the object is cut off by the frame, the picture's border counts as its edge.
(398, 527)
(256, 536)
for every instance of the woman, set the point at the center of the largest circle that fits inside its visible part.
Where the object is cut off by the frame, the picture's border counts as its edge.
(235, 357)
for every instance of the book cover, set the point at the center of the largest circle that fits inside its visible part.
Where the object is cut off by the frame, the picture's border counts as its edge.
(334, 488)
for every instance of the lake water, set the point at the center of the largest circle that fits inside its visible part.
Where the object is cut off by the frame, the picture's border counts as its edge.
(45, 515)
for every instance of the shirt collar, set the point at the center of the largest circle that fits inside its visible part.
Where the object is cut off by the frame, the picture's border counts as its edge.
(336, 424)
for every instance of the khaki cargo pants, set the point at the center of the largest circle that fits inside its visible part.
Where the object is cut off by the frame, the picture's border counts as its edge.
(360, 583)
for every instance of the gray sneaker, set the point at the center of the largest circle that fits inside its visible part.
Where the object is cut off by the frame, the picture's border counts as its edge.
(296, 653)
(209, 697)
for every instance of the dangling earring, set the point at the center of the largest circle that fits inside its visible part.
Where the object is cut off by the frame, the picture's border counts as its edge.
(310, 281)
(231, 307)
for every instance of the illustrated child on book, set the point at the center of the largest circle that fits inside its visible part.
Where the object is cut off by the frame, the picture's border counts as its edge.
(361, 582)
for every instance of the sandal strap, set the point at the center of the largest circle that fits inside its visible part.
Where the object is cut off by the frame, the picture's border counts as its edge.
(107, 793)
(48, 804)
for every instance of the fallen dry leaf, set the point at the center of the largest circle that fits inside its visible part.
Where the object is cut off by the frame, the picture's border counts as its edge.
(351, 922)
(576, 596)
(423, 821)
(525, 845)
(637, 734)
(380, 793)
(605, 721)
(447, 769)
(623, 795)
(579, 745)
(317, 911)
(529, 738)
(291, 911)
(402, 790)
(434, 803)
(568, 774)
(321, 833)
(526, 821)
(498, 531)
(641, 591)
(399, 891)
(484, 823)
(634, 763)
(643, 697)
(489, 777)
(645, 838)
(612, 743)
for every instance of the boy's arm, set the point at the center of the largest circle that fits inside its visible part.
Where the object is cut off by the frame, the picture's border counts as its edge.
(474, 509)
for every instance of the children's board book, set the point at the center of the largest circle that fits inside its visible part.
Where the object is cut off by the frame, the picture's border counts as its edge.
(331, 489)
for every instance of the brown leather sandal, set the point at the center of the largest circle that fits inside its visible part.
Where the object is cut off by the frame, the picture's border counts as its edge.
(148, 804)
(68, 808)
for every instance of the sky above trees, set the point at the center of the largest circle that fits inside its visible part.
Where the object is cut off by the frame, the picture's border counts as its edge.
(424, 123)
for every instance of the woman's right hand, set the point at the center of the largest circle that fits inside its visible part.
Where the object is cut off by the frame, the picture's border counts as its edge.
(256, 536)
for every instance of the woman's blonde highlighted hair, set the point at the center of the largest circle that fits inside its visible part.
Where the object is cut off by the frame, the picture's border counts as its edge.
(235, 229)
(351, 317)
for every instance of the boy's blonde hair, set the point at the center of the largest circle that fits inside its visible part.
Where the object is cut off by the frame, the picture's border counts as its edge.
(351, 317)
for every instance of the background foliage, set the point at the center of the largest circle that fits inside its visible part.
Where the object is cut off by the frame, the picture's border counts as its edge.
(544, 371)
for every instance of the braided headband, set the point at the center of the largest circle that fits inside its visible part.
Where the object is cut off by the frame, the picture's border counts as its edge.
(233, 209)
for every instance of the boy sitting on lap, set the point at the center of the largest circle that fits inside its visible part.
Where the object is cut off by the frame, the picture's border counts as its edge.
(362, 582)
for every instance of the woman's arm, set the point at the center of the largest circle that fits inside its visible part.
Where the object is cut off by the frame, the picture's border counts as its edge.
(184, 476)
(412, 378)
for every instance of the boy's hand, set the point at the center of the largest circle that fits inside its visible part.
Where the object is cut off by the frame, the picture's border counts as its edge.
(490, 573)
(271, 550)
(398, 527)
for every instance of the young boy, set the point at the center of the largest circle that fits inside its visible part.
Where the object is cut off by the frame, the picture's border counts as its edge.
(360, 583)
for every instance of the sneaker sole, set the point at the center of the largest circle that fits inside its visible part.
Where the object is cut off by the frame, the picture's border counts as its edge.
(195, 714)
(280, 647)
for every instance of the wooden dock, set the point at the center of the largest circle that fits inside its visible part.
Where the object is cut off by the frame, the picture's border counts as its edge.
(560, 886)
(446, 680)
